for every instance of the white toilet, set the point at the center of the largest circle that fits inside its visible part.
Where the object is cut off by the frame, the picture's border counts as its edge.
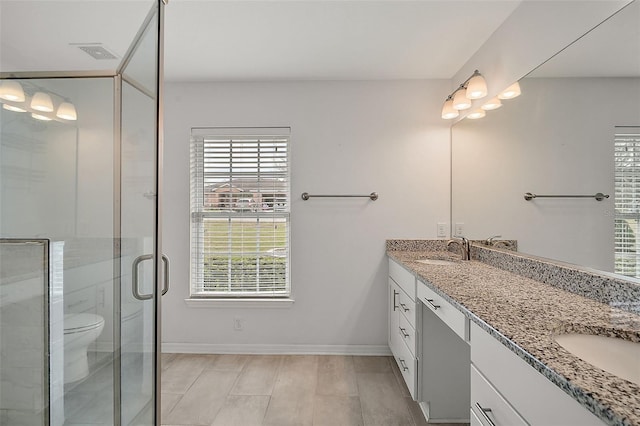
(80, 330)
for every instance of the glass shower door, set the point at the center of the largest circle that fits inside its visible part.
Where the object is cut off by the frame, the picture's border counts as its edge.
(139, 208)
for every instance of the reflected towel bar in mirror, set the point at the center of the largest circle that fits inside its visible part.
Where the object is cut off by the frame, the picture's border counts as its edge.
(373, 196)
(599, 196)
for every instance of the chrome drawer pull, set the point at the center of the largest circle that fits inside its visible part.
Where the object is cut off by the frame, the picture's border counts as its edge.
(403, 332)
(484, 412)
(404, 365)
(404, 307)
(395, 293)
(430, 301)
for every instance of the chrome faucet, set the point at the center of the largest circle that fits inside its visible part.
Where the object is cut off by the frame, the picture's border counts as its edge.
(465, 246)
(489, 241)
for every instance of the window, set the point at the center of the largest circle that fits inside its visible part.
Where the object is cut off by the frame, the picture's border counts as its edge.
(627, 201)
(240, 212)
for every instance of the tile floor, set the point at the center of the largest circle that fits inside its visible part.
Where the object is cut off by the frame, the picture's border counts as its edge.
(283, 390)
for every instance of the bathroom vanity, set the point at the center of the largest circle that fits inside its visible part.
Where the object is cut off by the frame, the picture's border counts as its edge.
(485, 333)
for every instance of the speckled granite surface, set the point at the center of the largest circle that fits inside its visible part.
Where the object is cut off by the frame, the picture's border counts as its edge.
(524, 314)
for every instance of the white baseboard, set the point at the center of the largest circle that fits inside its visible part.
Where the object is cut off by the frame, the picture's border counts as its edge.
(210, 348)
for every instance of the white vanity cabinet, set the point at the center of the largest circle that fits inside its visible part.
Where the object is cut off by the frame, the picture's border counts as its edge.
(402, 324)
(505, 390)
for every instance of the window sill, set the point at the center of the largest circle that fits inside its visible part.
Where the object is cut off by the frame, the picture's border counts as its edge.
(239, 303)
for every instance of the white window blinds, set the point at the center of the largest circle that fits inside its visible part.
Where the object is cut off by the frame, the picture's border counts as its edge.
(240, 209)
(627, 201)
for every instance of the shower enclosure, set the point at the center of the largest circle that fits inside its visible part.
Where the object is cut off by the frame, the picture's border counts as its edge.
(81, 269)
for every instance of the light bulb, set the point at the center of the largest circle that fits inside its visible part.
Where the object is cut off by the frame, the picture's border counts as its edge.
(13, 108)
(476, 87)
(67, 111)
(40, 117)
(474, 115)
(11, 91)
(448, 111)
(460, 100)
(491, 104)
(510, 92)
(42, 102)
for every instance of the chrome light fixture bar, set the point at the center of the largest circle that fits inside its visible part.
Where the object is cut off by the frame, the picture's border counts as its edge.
(475, 87)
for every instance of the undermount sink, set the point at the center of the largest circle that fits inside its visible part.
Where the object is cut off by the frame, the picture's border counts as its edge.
(437, 262)
(617, 356)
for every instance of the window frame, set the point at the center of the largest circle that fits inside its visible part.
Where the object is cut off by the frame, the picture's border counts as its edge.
(201, 210)
(627, 212)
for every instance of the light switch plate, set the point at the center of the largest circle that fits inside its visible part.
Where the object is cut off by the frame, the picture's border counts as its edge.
(442, 229)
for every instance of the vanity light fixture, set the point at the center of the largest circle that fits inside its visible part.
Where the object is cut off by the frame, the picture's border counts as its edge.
(11, 91)
(510, 92)
(67, 111)
(475, 87)
(448, 111)
(491, 104)
(474, 115)
(13, 108)
(40, 117)
(460, 100)
(42, 102)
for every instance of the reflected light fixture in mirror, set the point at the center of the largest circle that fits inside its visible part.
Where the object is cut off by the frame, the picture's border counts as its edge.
(40, 117)
(42, 102)
(474, 115)
(11, 91)
(13, 108)
(510, 92)
(491, 104)
(67, 111)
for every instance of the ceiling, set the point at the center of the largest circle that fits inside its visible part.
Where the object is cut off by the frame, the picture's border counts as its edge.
(243, 40)
(45, 35)
(211, 40)
(208, 40)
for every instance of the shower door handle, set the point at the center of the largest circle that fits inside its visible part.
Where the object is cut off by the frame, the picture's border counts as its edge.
(165, 287)
(134, 277)
(136, 270)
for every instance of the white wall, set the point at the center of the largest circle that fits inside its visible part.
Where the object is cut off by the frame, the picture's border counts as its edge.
(347, 137)
(533, 33)
(557, 138)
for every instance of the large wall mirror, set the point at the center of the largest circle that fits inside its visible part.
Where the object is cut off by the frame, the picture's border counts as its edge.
(575, 130)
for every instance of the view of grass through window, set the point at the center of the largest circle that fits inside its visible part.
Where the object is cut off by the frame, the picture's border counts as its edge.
(245, 254)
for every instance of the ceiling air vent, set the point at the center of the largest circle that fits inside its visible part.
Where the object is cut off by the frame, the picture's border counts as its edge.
(97, 51)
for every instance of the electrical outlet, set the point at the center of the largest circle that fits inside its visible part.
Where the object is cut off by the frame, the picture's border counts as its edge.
(459, 229)
(442, 229)
(238, 324)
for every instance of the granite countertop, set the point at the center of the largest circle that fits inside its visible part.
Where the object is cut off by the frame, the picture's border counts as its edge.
(525, 314)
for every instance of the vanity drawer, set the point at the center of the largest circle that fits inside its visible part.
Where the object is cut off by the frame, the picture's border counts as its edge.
(407, 365)
(540, 402)
(407, 308)
(444, 310)
(407, 334)
(403, 278)
(486, 402)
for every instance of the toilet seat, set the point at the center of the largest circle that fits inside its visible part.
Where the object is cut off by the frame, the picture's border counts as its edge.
(78, 323)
